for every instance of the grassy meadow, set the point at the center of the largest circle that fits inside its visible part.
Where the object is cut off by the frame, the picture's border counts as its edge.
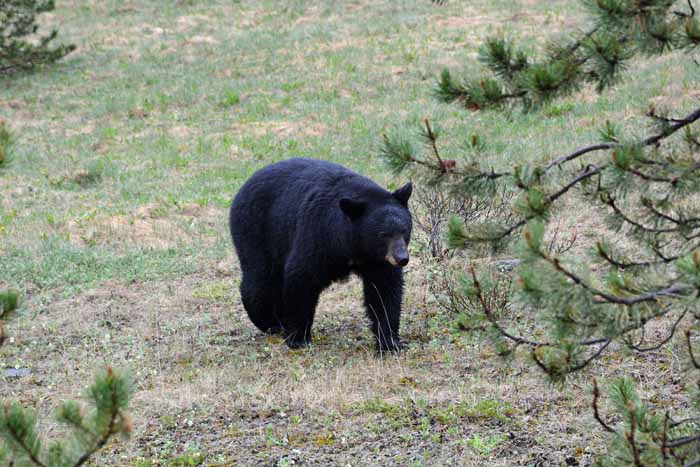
(113, 225)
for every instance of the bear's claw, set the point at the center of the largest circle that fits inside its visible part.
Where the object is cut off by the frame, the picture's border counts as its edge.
(295, 342)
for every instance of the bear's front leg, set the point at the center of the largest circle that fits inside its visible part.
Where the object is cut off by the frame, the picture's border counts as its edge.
(383, 288)
(300, 300)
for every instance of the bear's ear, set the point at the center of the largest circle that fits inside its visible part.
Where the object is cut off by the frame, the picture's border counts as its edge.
(353, 209)
(404, 193)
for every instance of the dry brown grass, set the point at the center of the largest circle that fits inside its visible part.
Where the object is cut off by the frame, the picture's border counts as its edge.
(207, 380)
(281, 129)
(149, 226)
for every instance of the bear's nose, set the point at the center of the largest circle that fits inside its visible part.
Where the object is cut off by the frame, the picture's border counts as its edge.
(402, 259)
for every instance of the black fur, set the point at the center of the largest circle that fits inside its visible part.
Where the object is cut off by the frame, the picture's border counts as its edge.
(299, 225)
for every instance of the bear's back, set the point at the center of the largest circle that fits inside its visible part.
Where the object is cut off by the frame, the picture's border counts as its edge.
(268, 209)
(293, 180)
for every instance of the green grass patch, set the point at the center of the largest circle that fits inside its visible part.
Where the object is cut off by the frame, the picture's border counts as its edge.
(484, 445)
(57, 264)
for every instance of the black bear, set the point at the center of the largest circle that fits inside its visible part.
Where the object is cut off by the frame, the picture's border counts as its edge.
(300, 224)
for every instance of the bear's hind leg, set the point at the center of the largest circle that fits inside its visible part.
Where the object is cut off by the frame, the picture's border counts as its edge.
(262, 301)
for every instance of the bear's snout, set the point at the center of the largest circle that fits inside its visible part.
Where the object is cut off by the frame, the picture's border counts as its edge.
(398, 254)
(402, 258)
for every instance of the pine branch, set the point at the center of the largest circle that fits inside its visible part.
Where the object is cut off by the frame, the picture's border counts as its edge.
(620, 31)
(686, 420)
(696, 363)
(18, 431)
(596, 411)
(647, 203)
(663, 342)
(649, 141)
(492, 319)
(685, 440)
(19, 21)
(677, 125)
(636, 264)
(576, 154)
(110, 393)
(102, 440)
(519, 340)
(610, 201)
(664, 437)
(594, 356)
(431, 137)
(630, 435)
(671, 290)
(401, 157)
(398, 154)
(583, 176)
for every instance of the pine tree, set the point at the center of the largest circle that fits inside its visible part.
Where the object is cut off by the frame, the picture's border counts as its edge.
(8, 298)
(17, 21)
(647, 188)
(20, 444)
(620, 30)
(5, 145)
(645, 268)
(8, 304)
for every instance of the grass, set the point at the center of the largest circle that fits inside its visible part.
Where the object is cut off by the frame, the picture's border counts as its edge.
(113, 225)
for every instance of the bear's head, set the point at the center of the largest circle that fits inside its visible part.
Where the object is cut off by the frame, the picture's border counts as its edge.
(382, 226)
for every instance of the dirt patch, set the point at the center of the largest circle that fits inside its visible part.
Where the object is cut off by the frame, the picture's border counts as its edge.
(203, 40)
(348, 41)
(149, 226)
(180, 131)
(464, 22)
(153, 30)
(84, 129)
(188, 22)
(281, 128)
(11, 103)
(310, 16)
(123, 229)
(674, 95)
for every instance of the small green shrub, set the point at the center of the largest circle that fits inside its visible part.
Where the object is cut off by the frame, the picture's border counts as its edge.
(17, 21)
